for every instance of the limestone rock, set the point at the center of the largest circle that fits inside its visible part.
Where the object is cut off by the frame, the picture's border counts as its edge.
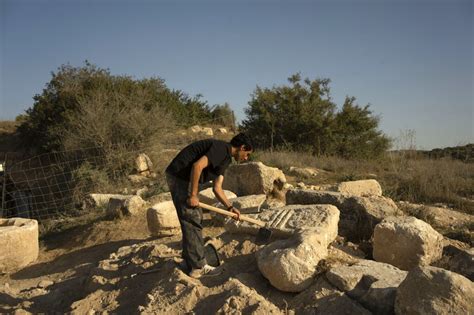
(134, 206)
(195, 129)
(431, 290)
(371, 283)
(162, 219)
(207, 131)
(221, 131)
(253, 178)
(285, 221)
(143, 163)
(406, 242)
(323, 298)
(361, 188)
(137, 179)
(249, 204)
(359, 215)
(100, 200)
(290, 264)
(304, 172)
(458, 260)
(18, 243)
(207, 196)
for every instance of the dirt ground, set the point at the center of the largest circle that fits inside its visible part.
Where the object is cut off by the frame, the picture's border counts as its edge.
(96, 268)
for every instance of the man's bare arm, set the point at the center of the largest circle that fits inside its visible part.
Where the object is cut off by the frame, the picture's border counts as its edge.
(196, 172)
(220, 195)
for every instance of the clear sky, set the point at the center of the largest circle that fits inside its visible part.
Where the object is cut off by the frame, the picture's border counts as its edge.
(411, 60)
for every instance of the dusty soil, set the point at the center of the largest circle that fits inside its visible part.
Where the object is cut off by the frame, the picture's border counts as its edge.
(97, 268)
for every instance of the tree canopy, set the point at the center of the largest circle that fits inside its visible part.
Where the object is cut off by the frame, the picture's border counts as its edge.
(302, 116)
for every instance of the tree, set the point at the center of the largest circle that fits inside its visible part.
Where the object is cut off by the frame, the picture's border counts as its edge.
(302, 116)
(355, 132)
(223, 115)
(109, 110)
(295, 116)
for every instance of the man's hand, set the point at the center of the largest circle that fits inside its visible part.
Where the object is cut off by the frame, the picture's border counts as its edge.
(237, 212)
(193, 201)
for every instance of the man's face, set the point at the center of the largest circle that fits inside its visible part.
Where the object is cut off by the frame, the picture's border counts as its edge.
(242, 155)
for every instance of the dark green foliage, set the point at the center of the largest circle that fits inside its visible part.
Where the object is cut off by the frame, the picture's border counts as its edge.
(88, 107)
(302, 116)
(355, 132)
(464, 153)
(223, 115)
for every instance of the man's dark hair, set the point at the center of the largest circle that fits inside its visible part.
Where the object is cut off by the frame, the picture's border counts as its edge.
(242, 139)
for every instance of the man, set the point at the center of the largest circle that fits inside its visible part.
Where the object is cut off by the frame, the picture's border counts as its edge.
(198, 163)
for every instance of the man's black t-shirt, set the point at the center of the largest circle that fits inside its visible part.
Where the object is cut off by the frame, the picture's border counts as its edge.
(218, 153)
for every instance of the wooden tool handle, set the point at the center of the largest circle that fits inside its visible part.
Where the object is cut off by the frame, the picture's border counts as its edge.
(231, 214)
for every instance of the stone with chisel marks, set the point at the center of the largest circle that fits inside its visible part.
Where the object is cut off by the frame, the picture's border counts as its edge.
(284, 221)
(290, 264)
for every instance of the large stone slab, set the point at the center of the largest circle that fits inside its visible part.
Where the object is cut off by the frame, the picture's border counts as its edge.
(249, 204)
(253, 178)
(431, 290)
(19, 245)
(359, 215)
(406, 242)
(371, 283)
(361, 188)
(290, 264)
(208, 196)
(285, 221)
(162, 219)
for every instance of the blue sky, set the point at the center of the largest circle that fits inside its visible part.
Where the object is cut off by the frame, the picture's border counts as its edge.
(411, 60)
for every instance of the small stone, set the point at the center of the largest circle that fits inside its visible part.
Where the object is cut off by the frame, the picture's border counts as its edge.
(45, 283)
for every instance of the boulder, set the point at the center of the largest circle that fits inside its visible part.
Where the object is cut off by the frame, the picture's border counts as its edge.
(207, 196)
(303, 172)
(361, 188)
(100, 200)
(134, 206)
(195, 129)
(137, 179)
(131, 206)
(221, 131)
(249, 204)
(371, 283)
(323, 298)
(143, 164)
(406, 242)
(290, 264)
(285, 221)
(18, 243)
(359, 215)
(207, 131)
(253, 178)
(441, 219)
(459, 260)
(431, 290)
(162, 219)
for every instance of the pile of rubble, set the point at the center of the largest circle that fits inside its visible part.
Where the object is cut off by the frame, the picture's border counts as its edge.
(317, 262)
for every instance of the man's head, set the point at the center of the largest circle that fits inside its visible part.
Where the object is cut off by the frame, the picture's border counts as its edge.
(241, 147)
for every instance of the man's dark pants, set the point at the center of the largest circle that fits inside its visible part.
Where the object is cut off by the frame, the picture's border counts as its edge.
(191, 223)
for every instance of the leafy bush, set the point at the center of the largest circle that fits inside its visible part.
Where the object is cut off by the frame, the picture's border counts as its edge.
(87, 107)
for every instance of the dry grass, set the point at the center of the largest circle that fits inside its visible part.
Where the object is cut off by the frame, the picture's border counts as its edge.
(414, 179)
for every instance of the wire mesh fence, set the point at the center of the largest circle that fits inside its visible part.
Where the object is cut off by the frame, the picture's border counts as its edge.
(53, 184)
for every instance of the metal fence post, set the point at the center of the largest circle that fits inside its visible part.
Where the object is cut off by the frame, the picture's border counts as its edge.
(4, 186)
